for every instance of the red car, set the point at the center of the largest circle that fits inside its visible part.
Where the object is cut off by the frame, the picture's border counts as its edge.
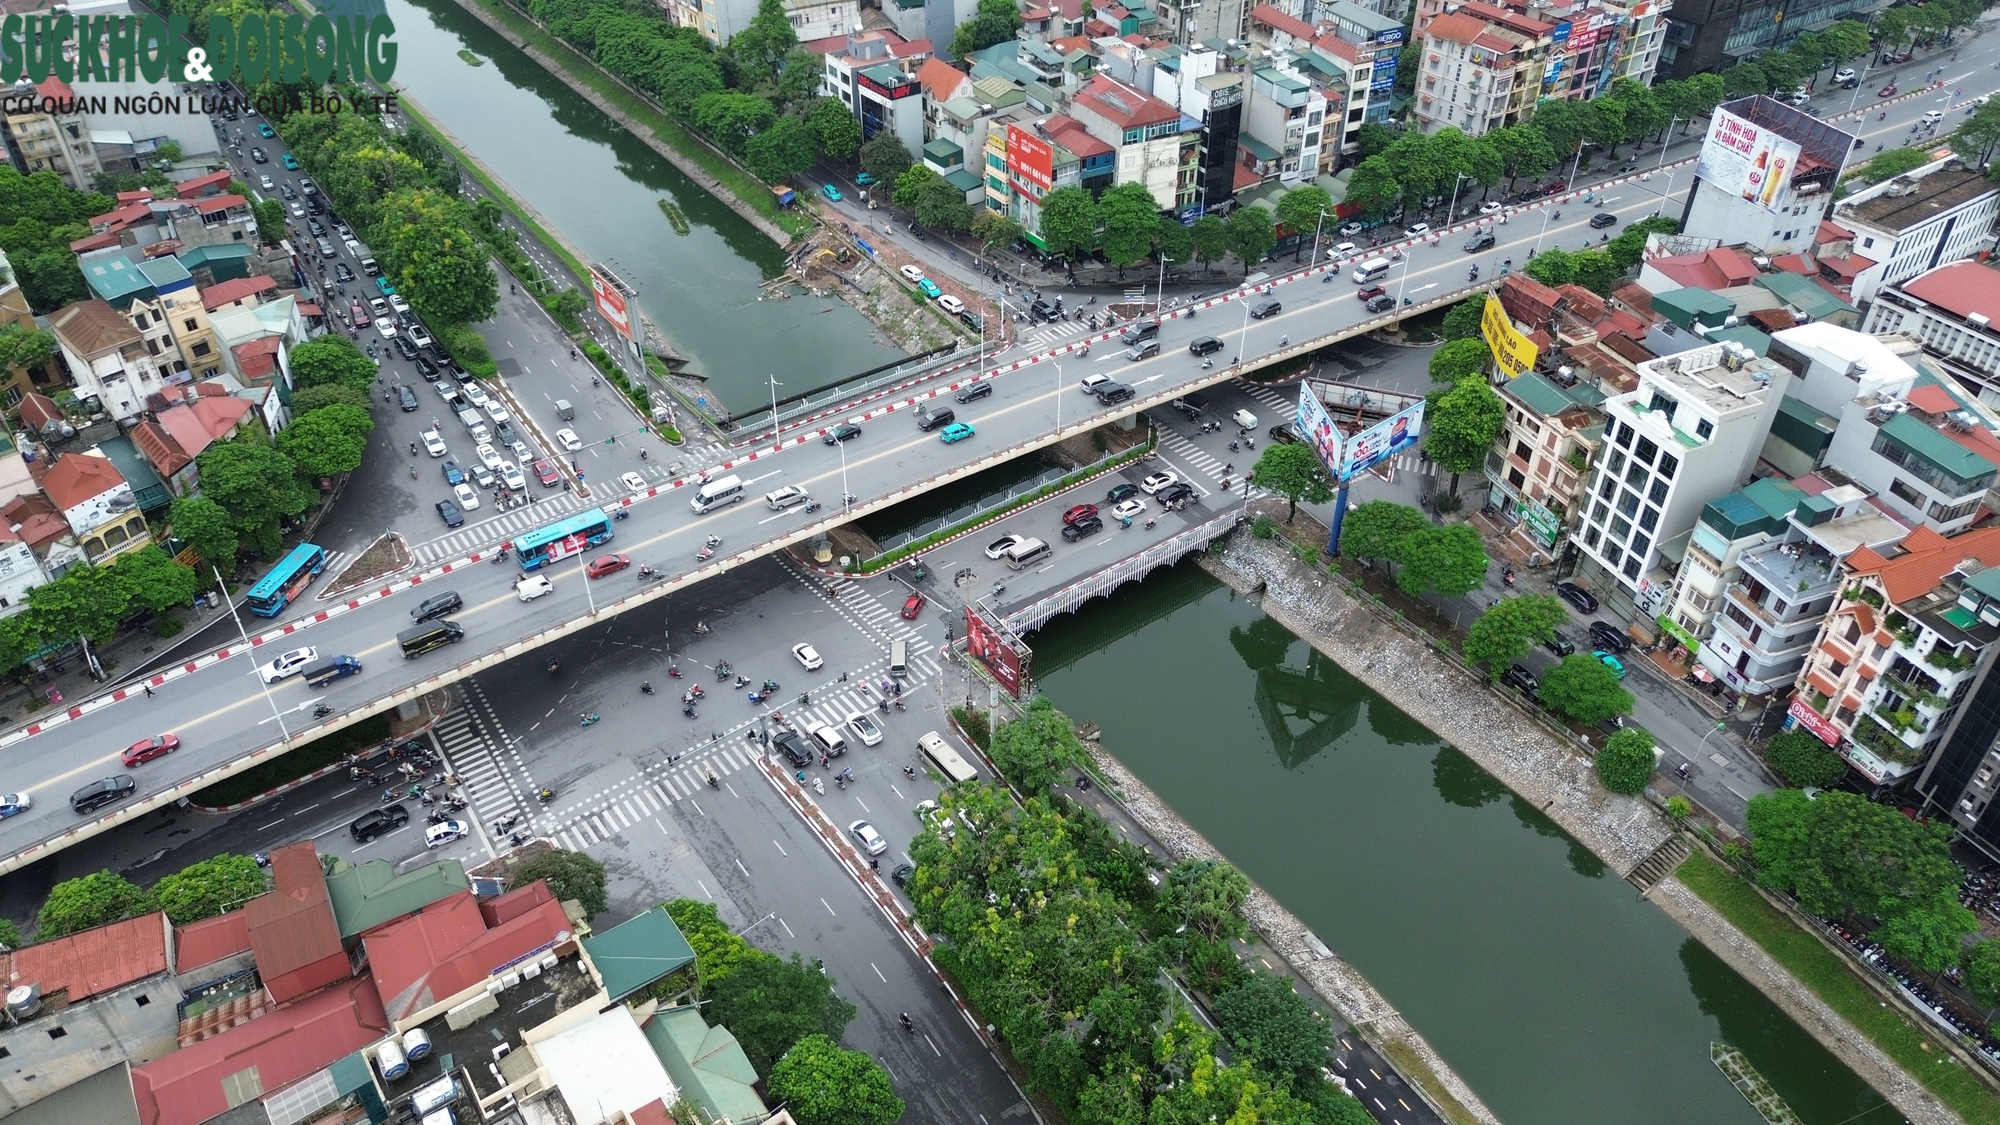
(545, 471)
(912, 605)
(1079, 512)
(609, 564)
(1372, 291)
(158, 746)
(1888, 91)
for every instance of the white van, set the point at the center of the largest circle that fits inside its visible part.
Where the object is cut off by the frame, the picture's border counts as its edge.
(716, 493)
(899, 658)
(829, 741)
(1026, 553)
(1371, 271)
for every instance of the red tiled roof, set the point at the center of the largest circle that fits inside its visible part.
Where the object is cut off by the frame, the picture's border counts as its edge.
(1927, 557)
(210, 940)
(257, 358)
(123, 216)
(77, 477)
(1271, 17)
(292, 927)
(186, 1087)
(941, 80)
(160, 448)
(36, 518)
(55, 88)
(1244, 177)
(203, 185)
(1932, 399)
(93, 242)
(38, 410)
(899, 49)
(94, 961)
(1124, 106)
(454, 944)
(1512, 20)
(230, 292)
(1724, 267)
(1846, 267)
(1961, 288)
(1794, 263)
(209, 205)
(1337, 47)
(92, 328)
(1457, 27)
(1070, 134)
(1830, 231)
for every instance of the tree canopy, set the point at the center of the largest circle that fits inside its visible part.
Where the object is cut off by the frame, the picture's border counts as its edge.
(1583, 690)
(1625, 764)
(571, 875)
(1376, 530)
(1293, 471)
(1510, 628)
(208, 888)
(822, 1084)
(770, 1005)
(90, 900)
(1448, 561)
(1803, 760)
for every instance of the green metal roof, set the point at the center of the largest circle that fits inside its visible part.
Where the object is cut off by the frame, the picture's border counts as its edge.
(1743, 334)
(1986, 582)
(1776, 497)
(1942, 452)
(944, 151)
(1689, 306)
(1257, 148)
(367, 896)
(707, 1064)
(1760, 507)
(634, 954)
(115, 279)
(1540, 395)
(963, 179)
(1801, 293)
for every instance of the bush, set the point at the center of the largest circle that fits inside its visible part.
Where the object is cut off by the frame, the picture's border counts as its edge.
(166, 625)
(1625, 764)
(1264, 528)
(973, 723)
(1803, 760)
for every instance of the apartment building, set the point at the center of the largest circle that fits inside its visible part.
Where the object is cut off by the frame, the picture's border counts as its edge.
(1152, 146)
(1710, 36)
(1964, 774)
(1536, 468)
(1952, 311)
(1764, 174)
(107, 357)
(1690, 432)
(1479, 73)
(1729, 525)
(16, 383)
(1908, 635)
(98, 504)
(1916, 222)
(159, 296)
(51, 135)
(1288, 114)
(718, 21)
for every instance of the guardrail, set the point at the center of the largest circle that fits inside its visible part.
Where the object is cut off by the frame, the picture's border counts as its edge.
(1164, 553)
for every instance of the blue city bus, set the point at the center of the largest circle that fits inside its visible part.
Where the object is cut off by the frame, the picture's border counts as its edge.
(287, 580)
(563, 538)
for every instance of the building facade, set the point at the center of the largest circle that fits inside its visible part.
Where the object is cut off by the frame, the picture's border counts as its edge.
(1916, 222)
(1952, 311)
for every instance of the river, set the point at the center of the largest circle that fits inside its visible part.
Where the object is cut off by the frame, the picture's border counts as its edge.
(1539, 974)
(600, 187)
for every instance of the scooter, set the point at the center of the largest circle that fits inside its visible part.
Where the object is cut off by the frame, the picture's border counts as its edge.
(645, 572)
(714, 782)
(742, 682)
(674, 670)
(589, 717)
(322, 711)
(770, 686)
(812, 506)
(508, 822)
(722, 670)
(757, 696)
(645, 687)
(546, 795)
(621, 514)
(500, 556)
(703, 555)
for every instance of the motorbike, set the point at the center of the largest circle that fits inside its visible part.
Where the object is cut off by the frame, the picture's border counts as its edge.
(758, 696)
(589, 717)
(674, 670)
(1507, 576)
(546, 795)
(645, 687)
(500, 556)
(517, 839)
(507, 822)
(742, 682)
(812, 506)
(722, 670)
(645, 572)
(703, 555)
(819, 786)
(899, 703)
(621, 514)
(714, 782)
(697, 692)
(910, 772)
(554, 663)
(770, 686)
(688, 710)
(322, 711)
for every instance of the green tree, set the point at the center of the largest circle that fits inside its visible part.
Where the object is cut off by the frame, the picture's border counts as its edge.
(1306, 208)
(1373, 187)
(86, 601)
(308, 399)
(201, 523)
(1888, 165)
(1745, 78)
(885, 158)
(10, 934)
(799, 77)
(1982, 973)
(822, 1084)
(1293, 471)
(571, 875)
(332, 360)
(1250, 236)
(1625, 764)
(1172, 241)
(996, 22)
(717, 951)
(771, 1004)
(1461, 322)
(786, 149)
(838, 130)
(1928, 935)
(1552, 267)
(941, 205)
(1841, 854)
(730, 119)
(1207, 897)
(1463, 423)
(1131, 220)
(1566, 124)
(22, 348)
(1446, 561)
(427, 249)
(1584, 691)
(1524, 150)
(151, 578)
(270, 215)
(911, 183)
(1034, 750)
(1376, 530)
(1373, 137)
(1803, 760)
(993, 229)
(1459, 360)
(763, 44)
(327, 442)
(1069, 222)
(1979, 135)
(1511, 627)
(78, 904)
(1272, 1026)
(213, 886)
(567, 307)
(257, 486)
(1209, 240)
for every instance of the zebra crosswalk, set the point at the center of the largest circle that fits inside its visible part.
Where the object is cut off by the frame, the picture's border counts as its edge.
(1050, 333)
(493, 776)
(495, 529)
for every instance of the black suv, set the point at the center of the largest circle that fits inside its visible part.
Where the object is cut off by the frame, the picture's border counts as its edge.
(1603, 219)
(1484, 240)
(1139, 333)
(1381, 303)
(98, 794)
(1575, 595)
(794, 747)
(408, 398)
(1108, 393)
(1088, 525)
(1559, 643)
(374, 822)
(1522, 679)
(437, 605)
(1175, 493)
(1603, 634)
(1124, 491)
(935, 420)
(973, 393)
(1204, 345)
(1269, 306)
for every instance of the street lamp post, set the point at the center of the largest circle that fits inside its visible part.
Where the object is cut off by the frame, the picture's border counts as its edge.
(846, 497)
(1318, 225)
(1060, 384)
(1549, 212)
(774, 403)
(1160, 302)
(284, 734)
(1243, 340)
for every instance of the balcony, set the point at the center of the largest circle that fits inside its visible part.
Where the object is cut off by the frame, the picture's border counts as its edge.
(1791, 573)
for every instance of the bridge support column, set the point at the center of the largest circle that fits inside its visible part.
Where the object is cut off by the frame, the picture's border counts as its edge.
(408, 712)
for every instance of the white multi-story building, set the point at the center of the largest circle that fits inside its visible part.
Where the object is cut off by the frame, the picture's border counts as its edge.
(1152, 148)
(720, 20)
(107, 357)
(1763, 176)
(1905, 225)
(1469, 72)
(1690, 432)
(1954, 311)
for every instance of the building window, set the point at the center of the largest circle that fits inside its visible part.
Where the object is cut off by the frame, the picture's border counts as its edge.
(1646, 450)
(1620, 528)
(1522, 451)
(1649, 518)
(1632, 566)
(1943, 514)
(1590, 538)
(1903, 491)
(188, 324)
(1658, 493)
(1624, 436)
(1668, 464)
(201, 348)
(1636, 476)
(1664, 404)
(1615, 466)
(1703, 428)
(1640, 546)
(1628, 503)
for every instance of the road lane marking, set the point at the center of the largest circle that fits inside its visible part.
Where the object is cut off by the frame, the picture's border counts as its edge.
(781, 849)
(788, 930)
(829, 908)
(878, 972)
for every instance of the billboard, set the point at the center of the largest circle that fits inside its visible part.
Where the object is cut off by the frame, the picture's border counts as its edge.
(1316, 426)
(1512, 352)
(1748, 160)
(1383, 440)
(1030, 160)
(1007, 663)
(610, 302)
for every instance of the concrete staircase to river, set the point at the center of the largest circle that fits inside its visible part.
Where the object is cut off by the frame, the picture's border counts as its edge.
(1660, 864)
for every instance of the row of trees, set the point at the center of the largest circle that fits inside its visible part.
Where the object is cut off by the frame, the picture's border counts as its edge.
(1062, 941)
(788, 1019)
(200, 890)
(92, 601)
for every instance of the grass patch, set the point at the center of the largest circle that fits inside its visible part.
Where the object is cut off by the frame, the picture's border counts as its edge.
(1823, 971)
(314, 755)
(1417, 1070)
(674, 216)
(753, 194)
(470, 58)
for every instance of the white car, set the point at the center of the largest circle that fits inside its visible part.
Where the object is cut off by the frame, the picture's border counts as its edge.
(298, 210)
(1127, 509)
(1090, 383)
(510, 475)
(476, 395)
(445, 832)
(434, 443)
(870, 840)
(633, 481)
(1245, 419)
(467, 499)
(1416, 230)
(497, 412)
(489, 456)
(420, 337)
(567, 439)
(396, 302)
(522, 452)
(387, 328)
(864, 728)
(1492, 207)
(808, 656)
(1159, 480)
(378, 307)
(951, 304)
(1350, 229)
(1346, 250)
(533, 586)
(1003, 545)
(288, 664)
(1933, 117)
(913, 273)
(1844, 74)
(266, 183)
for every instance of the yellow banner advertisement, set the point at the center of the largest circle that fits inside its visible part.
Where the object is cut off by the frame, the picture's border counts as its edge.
(1512, 352)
